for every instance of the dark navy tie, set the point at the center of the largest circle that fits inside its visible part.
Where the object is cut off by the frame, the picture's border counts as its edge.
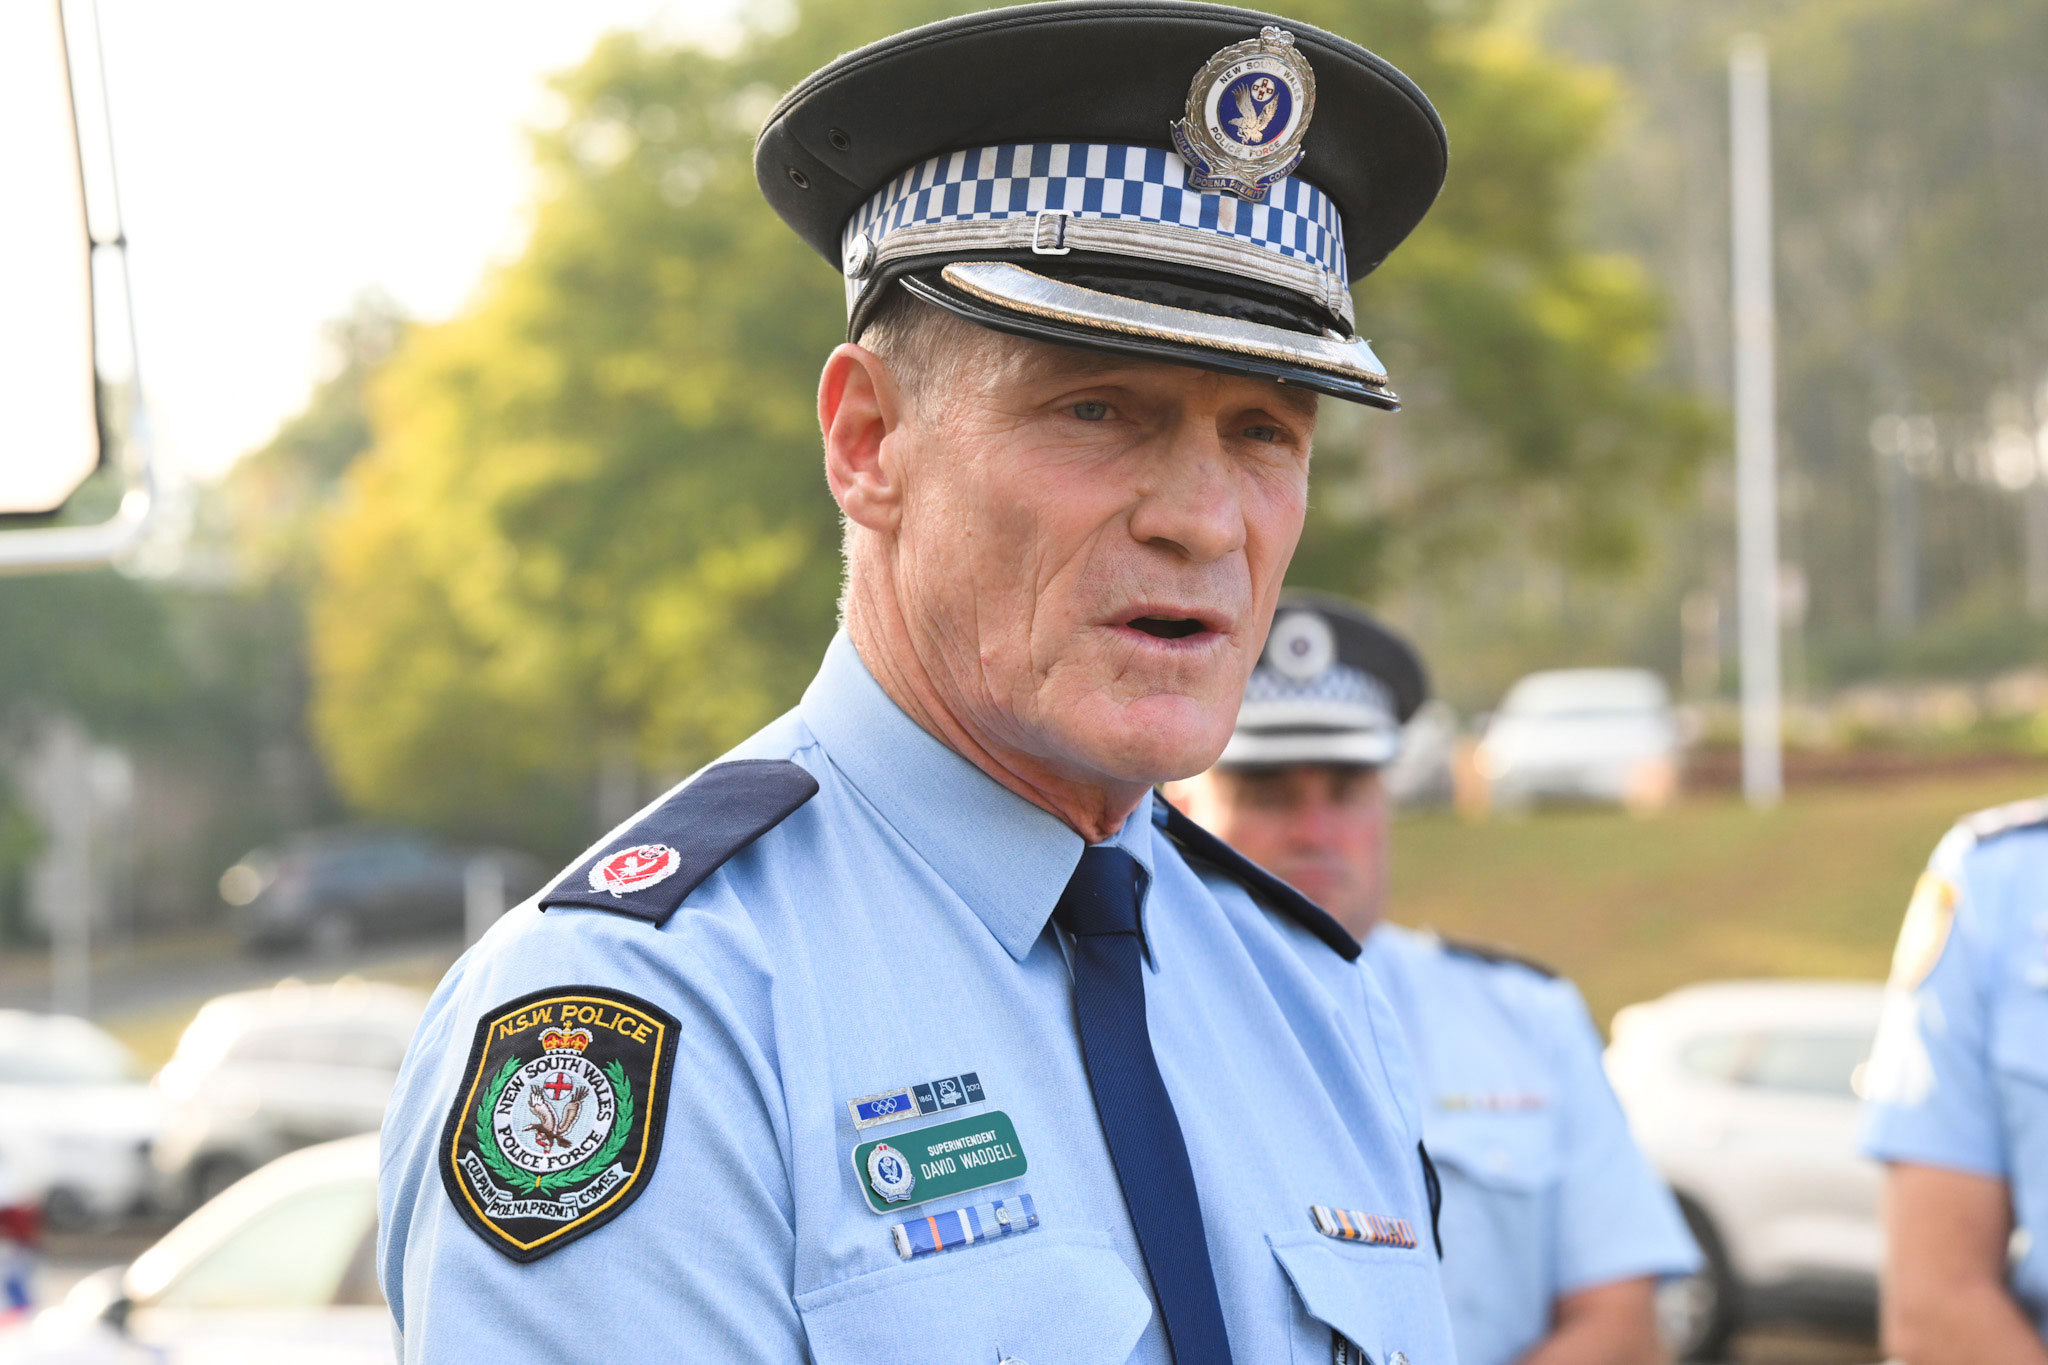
(1100, 909)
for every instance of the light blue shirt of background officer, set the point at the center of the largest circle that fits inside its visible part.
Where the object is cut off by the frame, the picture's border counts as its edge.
(917, 1029)
(1555, 1228)
(1957, 1100)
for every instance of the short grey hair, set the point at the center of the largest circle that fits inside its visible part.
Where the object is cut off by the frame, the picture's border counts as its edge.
(924, 346)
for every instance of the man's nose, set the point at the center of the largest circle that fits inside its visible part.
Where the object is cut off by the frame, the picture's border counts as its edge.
(1191, 503)
(1315, 824)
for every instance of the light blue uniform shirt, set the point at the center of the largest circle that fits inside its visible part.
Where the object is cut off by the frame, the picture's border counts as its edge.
(1544, 1190)
(1959, 1076)
(893, 930)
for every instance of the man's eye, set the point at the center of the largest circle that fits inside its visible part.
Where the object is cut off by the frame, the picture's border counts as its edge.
(1268, 434)
(1091, 412)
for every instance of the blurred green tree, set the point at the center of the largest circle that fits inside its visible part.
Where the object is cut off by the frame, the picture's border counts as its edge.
(592, 535)
(1908, 192)
(201, 674)
(94, 646)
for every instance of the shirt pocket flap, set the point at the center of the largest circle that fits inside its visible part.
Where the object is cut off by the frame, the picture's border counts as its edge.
(1513, 1151)
(1390, 1306)
(1048, 1297)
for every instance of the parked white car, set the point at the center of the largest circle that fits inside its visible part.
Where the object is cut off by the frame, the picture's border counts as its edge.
(279, 1267)
(80, 1125)
(1744, 1095)
(260, 1073)
(1424, 773)
(1608, 735)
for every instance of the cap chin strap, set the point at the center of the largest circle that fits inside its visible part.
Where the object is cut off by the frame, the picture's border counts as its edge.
(1056, 232)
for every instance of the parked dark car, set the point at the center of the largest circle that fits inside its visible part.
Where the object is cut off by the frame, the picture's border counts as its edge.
(332, 889)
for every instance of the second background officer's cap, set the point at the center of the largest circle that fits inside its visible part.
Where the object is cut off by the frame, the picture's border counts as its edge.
(1333, 686)
(1170, 180)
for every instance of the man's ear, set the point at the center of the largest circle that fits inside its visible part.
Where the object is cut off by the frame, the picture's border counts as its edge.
(859, 407)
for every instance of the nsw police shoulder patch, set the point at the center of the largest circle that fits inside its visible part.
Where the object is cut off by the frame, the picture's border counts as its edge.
(558, 1123)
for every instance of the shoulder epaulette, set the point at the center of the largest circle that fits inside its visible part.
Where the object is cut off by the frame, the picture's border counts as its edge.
(649, 870)
(1499, 957)
(1987, 824)
(1200, 845)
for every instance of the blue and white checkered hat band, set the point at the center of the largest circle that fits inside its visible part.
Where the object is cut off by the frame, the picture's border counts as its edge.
(1104, 183)
(1338, 683)
(1340, 715)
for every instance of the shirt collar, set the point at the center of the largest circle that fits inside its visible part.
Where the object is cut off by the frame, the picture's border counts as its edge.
(1006, 858)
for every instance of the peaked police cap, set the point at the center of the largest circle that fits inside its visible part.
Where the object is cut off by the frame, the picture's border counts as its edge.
(1332, 686)
(1186, 182)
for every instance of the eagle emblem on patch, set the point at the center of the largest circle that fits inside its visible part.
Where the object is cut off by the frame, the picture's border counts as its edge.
(1248, 111)
(558, 1124)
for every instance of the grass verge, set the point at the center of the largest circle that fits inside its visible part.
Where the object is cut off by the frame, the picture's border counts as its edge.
(1632, 908)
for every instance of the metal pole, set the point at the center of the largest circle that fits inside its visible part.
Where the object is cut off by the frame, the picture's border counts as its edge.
(50, 548)
(1756, 417)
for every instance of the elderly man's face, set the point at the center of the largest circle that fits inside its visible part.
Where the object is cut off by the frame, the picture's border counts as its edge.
(1090, 549)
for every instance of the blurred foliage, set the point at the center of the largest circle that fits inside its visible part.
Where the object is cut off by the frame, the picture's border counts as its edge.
(201, 676)
(259, 532)
(1539, 417)
(1911, 196)
(267, 510)
(592, 532)
(107, 651)
(103, 652)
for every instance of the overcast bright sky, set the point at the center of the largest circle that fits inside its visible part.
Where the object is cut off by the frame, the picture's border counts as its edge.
(279, 157)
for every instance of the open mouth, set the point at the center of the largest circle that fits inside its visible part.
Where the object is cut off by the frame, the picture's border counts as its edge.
(1167, 627)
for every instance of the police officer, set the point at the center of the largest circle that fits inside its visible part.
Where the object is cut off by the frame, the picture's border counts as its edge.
(1554, 1226)
(917, 1029)
(1957, 1100)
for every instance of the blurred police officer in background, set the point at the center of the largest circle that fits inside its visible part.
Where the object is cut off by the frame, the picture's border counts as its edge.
(1957, 1101)
(1555, 1228)
(917, 1028)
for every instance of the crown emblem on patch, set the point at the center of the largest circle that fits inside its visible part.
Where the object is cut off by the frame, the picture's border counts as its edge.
(565, 1040)
(1248, 110)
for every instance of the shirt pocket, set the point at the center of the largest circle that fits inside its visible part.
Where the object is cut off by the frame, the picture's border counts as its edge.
(1514, 1153)
(1386, 1303)
(2019, 1047)
(1048, 1298)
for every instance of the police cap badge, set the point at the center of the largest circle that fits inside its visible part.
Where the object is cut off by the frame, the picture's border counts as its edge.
(1248, 111)
(1171, 180)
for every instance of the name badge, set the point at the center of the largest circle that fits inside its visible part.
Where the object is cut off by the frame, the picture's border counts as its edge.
(939, 1162)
